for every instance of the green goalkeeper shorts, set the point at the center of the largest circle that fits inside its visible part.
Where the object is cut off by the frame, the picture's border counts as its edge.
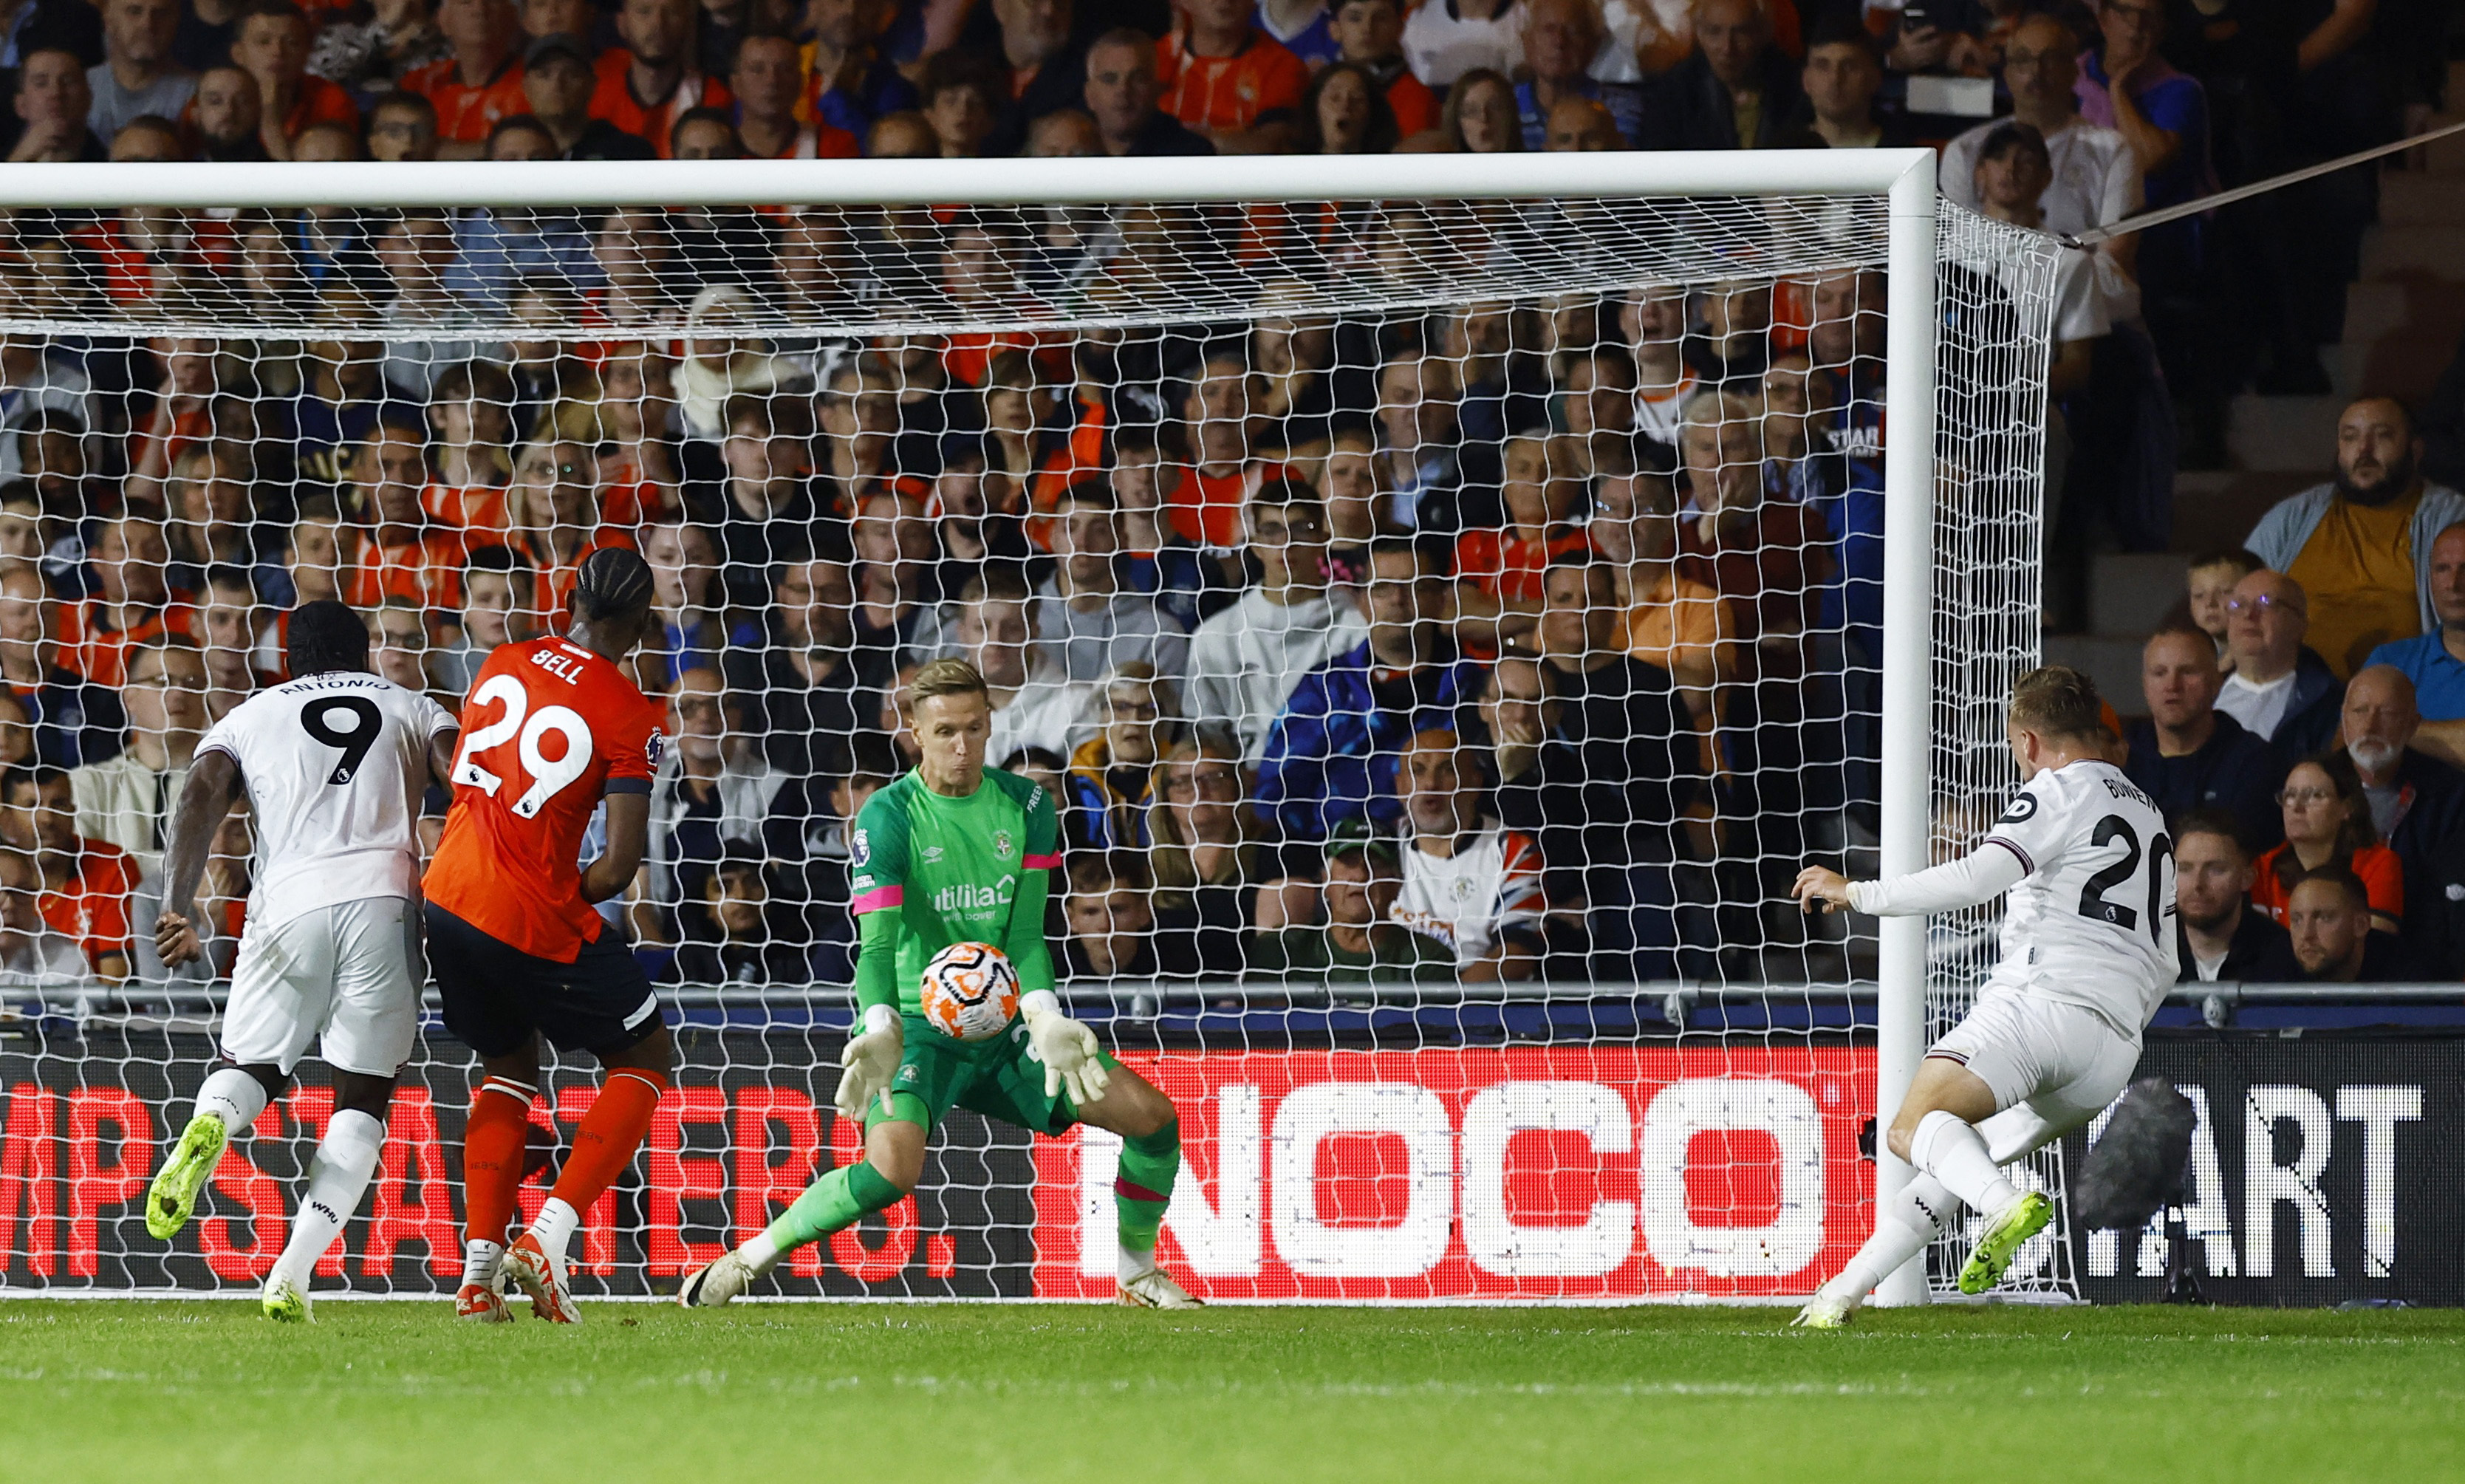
(994, 1077)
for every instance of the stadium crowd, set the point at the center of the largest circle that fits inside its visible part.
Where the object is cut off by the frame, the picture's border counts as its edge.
(1513, 641)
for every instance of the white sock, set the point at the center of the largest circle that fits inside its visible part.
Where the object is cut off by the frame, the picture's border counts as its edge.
(758, 1253)
(338, 1176)
(1950, 1149)
(1903, 1229)
(554, 1229)
(479, 1262)
(1130, 1265)
(235, 1096)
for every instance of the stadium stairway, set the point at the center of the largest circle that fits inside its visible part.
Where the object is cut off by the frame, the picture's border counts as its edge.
(2405, 318)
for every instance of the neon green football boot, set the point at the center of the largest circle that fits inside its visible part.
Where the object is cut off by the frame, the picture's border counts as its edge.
(1993, 1258)
(172, 1199)
(284, 1301)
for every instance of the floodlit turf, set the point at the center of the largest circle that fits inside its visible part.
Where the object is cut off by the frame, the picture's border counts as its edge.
(173, 1392)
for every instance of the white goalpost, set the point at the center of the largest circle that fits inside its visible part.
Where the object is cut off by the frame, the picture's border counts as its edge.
(1659, 1127)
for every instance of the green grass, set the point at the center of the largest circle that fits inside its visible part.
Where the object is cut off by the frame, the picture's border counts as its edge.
(173, 1392)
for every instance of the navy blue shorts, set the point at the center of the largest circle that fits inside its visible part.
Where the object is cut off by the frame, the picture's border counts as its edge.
(496, 995)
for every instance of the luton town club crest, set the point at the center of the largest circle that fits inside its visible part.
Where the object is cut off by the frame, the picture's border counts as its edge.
(1001, 844)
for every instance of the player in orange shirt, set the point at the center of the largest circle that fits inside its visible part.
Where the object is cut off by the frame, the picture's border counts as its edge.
(552, 727)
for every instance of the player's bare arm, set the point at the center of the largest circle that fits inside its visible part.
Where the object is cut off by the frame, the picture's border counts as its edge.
(441, 750)
(629, 838)
(205, 800)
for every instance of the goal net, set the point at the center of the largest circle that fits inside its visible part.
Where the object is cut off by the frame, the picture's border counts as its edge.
(1447, 622)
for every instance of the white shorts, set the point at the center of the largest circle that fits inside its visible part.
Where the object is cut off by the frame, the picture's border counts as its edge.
(346, 977)
(2052, 1067)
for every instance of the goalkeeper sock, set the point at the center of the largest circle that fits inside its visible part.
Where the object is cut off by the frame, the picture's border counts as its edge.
(603, 1145)
(1951, 1150)
(491, 1159)
(1143, 1190)
(338, 1176)
(833, 1203)
(233, 1094)
(1908, 1222)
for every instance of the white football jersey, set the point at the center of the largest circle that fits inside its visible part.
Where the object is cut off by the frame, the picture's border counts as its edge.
(1490, 886)
(2092, 922)
(333, 765)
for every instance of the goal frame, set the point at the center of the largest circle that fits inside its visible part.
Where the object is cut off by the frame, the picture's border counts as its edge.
(1904, 176)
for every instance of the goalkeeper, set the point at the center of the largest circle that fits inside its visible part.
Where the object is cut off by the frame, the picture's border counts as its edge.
(954, 853)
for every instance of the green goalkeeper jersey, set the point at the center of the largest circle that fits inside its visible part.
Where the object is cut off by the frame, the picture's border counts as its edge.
(927, 870)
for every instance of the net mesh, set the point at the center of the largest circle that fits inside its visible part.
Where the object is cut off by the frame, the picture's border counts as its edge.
(1536, 543)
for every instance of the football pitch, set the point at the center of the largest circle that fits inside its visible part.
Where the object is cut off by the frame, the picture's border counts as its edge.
(179, 1391)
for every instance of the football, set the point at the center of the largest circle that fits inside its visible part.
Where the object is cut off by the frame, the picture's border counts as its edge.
(969, 992)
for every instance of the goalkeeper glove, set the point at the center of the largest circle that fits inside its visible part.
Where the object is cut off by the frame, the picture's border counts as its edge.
(1067, 1049)
(872, 1060)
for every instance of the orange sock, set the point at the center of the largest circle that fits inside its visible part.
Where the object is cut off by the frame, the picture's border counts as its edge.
(492, 1157)
(604, 1144)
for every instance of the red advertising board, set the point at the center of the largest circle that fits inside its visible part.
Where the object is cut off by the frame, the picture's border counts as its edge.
(1441, 1173)
(1541, 1172)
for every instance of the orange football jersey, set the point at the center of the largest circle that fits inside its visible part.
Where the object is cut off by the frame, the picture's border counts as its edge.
(548, 728)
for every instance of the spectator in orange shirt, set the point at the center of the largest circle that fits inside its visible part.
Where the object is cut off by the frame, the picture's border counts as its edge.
(2328, 822)
(1220, 412)
(482, 83)
(270, 45)
(471, 409)
(652, 78)
(1671, 621)
(1370, 33)
(406, 555)
(769, 79)
(1505, 565)
(85, 883)
(1229, 81)
(133, 601)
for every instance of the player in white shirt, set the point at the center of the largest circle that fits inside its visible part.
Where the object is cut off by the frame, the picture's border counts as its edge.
(333, 764)
(2087, 957)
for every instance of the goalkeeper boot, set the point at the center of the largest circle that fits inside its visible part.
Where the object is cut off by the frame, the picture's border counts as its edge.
(284, 1301)
(716, 1283)
(172, 1199)
(543, 1278)
(1825, 1312)
(1992, 1257)
(482, 1304)
(1154, 1289)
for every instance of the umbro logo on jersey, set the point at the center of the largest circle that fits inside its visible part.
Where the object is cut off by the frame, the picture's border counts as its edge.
(932, 853)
